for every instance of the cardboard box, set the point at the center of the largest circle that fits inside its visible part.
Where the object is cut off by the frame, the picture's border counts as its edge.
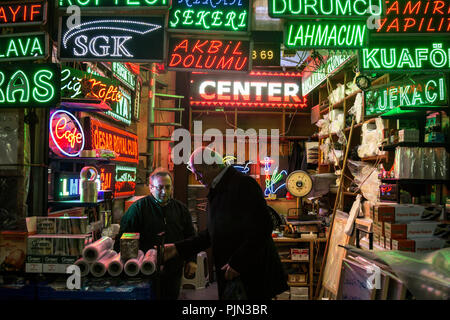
(378, 228)
(403, 245)
(284, 296)
(129, 246)
(13, 250)
(33, 264)
(395, 230)
(301, 291)
(408, 212)
(62, 225)
(382, 242)
(384, 213)
(424, 245)
(299, 254)
(421, 229)
(388, 243)
(58, 245)
(299, 297)
(376, 239)
(297, 278)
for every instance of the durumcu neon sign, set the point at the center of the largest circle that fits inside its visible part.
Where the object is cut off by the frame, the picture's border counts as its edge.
(104, 136)
(29, 85)
(66, 134)
(418, 91)
(135, 39)
(255, 90)
(23, 14)
(412, 16)
(325, 9)
(211, 15)
(111, 4)
(347, 34)
(202, 54)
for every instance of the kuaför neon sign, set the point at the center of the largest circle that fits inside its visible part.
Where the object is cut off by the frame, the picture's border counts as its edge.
(66, 134)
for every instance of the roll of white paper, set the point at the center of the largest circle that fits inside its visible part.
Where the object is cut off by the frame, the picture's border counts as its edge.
(99, 267)
(148, 265)
(84, 266)
(115, 266)
(133, 266)
(95, 250)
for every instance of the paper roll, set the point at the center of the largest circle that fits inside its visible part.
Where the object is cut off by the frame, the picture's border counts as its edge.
(84, 266)
(95, 250)
(115, 266)
(133, 266)
(99, 267)
(148, 265)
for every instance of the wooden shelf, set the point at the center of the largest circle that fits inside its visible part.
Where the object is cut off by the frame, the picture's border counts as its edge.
(383, 157)
(392, 147)
(354, 127)
(293, 261)
(298, 284)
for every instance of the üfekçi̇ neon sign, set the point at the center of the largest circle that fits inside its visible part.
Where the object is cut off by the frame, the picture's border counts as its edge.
(413, 16)
(125, 184)
(325, 8)
(133, 39)
(254, 90)
(120, 4)
(104, 136)
(30, 13)
(201, 54)
(66, 134)
(415, 92)
(123, 74)
(29, 85)
(407, 55)
(300, 34)
(210, 15)
(23, 46)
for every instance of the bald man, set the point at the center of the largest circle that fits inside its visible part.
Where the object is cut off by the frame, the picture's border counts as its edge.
(239, 230)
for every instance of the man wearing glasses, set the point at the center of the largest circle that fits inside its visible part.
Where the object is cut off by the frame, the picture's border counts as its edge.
(157, 213)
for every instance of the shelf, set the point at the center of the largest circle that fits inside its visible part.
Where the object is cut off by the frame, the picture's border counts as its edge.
(293, 261)
(80, 159)
(354, 127)
(75, 203)
(415, 181)
(392, 147)
(297, 284)
(383, 157)
(287, 240)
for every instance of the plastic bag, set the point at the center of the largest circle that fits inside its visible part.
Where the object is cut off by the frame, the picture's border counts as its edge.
(366, 178)
(372, 137)
(356, 109)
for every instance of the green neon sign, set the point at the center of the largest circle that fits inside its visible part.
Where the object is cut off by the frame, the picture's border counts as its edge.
(124, 75)
(128, 4)
(23, 46)
(415, 92)
(406, 55)
(122, 110)
(33, 85)
(211, 15)
(330, 9)
(299, 34)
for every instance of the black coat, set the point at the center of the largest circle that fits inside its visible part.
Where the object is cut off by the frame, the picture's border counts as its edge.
(240, 234)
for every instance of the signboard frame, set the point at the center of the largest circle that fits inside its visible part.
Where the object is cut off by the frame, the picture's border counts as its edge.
(30, 58)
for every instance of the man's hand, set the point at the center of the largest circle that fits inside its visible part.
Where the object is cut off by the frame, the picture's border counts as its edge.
(190, 269)
(230, 273)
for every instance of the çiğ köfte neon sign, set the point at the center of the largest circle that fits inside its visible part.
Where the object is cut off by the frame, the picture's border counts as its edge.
(209, 15)
(66, 134)
(21, 14)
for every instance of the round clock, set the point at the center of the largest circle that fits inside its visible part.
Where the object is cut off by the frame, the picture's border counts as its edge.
(299, 183)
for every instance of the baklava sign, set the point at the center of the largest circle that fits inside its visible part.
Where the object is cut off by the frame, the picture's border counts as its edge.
(259, 89)
(131, 39)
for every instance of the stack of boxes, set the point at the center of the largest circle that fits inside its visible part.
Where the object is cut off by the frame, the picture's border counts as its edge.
(402, 227)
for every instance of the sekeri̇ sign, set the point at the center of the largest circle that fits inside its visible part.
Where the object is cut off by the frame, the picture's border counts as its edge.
(131, 39)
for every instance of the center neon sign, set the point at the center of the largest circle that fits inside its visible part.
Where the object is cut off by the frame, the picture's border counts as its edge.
(66, 134)
(259, 89)
(202, 54)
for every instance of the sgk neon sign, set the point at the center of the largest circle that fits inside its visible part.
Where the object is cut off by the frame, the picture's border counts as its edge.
(66, 134)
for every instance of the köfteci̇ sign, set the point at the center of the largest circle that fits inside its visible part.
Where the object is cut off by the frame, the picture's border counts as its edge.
(100, 135)
(324, 34)
(66, 136)
(212, 15)
(259, 89)
(406, 55)
(418, 91)
(23, 14)
(29, 85)
(131, 39)
(208, 54)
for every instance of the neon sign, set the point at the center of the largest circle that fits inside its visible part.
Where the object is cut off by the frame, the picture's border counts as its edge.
(137, 100)
(23, 46)
(120, 4)
(201, 54)
(136, 39)
(411, 55)
(125, 184)
(66, 134)
(417, 92)
(107, 176)
(254, 90)
(272, 181)
(421, 17)
(124, 75)
(266, 54)
(104, 136)
(211, 15)
(32, 85)
(30, 13)
(325, 8)
(122, 110)
(307, 34)
(68, 186)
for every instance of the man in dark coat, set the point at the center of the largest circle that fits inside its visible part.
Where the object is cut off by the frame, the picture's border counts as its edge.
(239, 230)
(158, 213)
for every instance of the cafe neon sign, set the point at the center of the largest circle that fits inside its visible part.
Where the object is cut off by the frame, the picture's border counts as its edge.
(66, 134)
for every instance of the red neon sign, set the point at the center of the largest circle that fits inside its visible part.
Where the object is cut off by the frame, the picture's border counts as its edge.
(105, 136)
(413, 16)
(201, 54)
(66, 134)
(254, 90)
(22, 14)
